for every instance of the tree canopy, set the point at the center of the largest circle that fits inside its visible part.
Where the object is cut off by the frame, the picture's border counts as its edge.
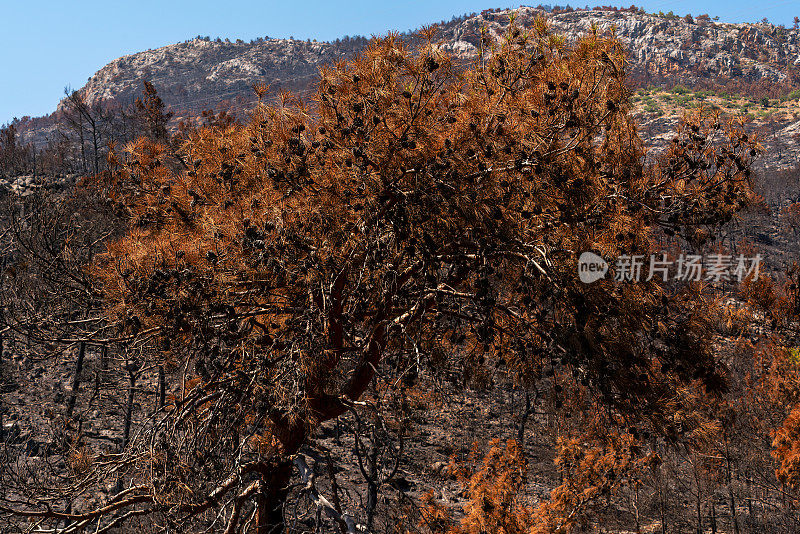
(414, 212)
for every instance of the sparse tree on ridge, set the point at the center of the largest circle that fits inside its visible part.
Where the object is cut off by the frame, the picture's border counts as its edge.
(152, 113)
(90, 123)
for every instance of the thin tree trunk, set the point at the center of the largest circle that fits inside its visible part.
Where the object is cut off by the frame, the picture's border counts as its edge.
(337, 505)
(699, 515)
(126, 429)
(270, 502)
(126, 432)
(731, 498)
(698, 496)
(96, 147)
(162, 388)
(662, 501)
(713, 517)
(83, 147)
(76, 379)
(99, 374)
(734, 517)
(372, 480)
(523, 420)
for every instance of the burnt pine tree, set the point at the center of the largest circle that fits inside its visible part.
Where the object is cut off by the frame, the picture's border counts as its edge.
(90, 123)
(151, 111)
(412, 207)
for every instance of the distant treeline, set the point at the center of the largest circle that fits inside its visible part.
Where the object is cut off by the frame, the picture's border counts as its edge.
(82, 133)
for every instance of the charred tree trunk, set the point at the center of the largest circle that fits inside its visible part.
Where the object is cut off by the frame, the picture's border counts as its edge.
(99, 375)
(83, 147)
(95, 147)
(698, 498)
(76, 379)
(731, 497)
(523, 420)
(372, 480)
(734, 516)
(126, 432)
(271, 500)
(699, 514)
(162, 388)
(337, 504)
(713, 517)
(662, 501)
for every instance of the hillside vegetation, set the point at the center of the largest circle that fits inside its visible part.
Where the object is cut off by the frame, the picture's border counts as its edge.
(370, 305)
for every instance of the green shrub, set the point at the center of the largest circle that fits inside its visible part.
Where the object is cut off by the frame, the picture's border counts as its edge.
(652, 107)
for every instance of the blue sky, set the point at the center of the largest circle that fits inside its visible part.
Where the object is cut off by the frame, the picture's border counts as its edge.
(49, 44)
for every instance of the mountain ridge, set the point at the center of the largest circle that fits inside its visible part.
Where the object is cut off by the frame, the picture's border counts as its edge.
(756, 59)
(202, 69)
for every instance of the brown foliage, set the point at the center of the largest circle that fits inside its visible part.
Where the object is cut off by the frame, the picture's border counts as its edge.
(411, 208)
(592, 468)
(787, 449)
(493, 489)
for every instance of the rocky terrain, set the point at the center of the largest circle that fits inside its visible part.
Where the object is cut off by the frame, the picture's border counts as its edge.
(201, 73)
(676, 64)
(198, 74)
(195, 74)
(661, 48)
(28, 184)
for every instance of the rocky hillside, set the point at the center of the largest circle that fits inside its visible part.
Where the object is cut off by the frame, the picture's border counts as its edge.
(751, 64)
(662, 49)
(198, 74)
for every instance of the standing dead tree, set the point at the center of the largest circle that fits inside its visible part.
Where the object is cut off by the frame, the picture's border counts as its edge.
(90, 123)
